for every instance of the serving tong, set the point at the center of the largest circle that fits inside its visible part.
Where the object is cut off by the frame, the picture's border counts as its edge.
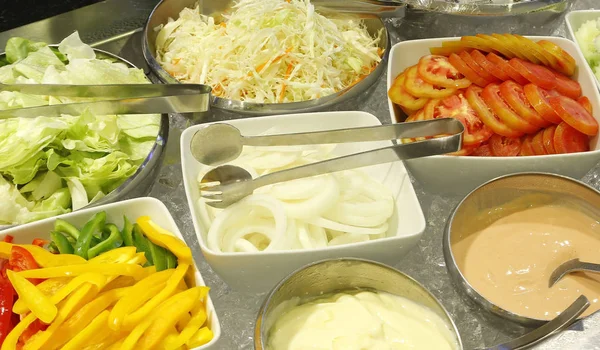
(228, 184)
(569, 266)
(117, 99)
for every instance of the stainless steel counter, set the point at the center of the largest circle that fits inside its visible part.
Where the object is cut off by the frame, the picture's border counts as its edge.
(114, 25)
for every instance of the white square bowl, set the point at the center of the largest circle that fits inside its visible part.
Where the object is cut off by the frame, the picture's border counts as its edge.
(574, 21)
(260, 272)
(133, 208)
(458, 175)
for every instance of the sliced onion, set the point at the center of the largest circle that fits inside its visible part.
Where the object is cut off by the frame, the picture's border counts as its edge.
(318, 236)
(231, 236)
(304, 236)
(298, 189)
(318, 204)
(348, 238)
(347, 228)
(243, 245)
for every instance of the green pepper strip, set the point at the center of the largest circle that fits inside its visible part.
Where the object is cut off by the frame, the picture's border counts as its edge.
(113, 241)
(141, 244)
(90, 229)
(65, 227)
(62, 243)
(158, 256)
(53, 248)
(127, 232)
(171, 259)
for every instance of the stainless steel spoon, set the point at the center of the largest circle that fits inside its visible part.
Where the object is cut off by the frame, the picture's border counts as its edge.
(571, 266)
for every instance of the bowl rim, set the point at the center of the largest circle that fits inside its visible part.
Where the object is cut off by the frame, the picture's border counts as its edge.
(254, 108)
(571, 30)
(587, 70)
(338, 248)
(261, 315)
(460, 281)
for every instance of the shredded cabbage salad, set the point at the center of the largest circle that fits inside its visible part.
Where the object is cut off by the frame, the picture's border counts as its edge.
(309, 213)
(50, 166)
(268, 51)
(588, 38)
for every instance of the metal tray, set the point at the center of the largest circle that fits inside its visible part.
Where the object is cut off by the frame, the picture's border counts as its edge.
(116, 26)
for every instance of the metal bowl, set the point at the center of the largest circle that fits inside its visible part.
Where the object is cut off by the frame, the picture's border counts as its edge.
(480, 208)
(140, 183)
(171, 8)
(345, 274)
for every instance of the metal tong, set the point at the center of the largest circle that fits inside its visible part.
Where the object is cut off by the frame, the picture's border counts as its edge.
(235, 183)
(117, 99)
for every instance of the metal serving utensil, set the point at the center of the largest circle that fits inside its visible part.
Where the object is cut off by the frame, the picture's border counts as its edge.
(235, 183)
(571, 266)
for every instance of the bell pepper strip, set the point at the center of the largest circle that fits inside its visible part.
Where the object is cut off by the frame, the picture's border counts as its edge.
(62, 243)
(21, 259)
(171, 259)
(169, 289)
(141, 243)
(6, 304)
(76, 270)
(139, 259)
(127, 232)
(182, 322)
(165, 239)
(63, 226)
(138, 295)
(43, 257)
(117, 345)
(115, 256)
(40, 242)
(36, 301)
(158, 256)
(113, 241)
(53, 248)
(203, 336)
(8, 239)
(11, 341)
(191, 327)
(35, 327)
(166, 315)
(82, 338)
(119, 282)
(92, 228)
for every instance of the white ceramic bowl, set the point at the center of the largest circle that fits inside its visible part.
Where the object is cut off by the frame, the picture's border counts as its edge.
(459, 175)
(133, 209)
(259, 272)
(575, 19)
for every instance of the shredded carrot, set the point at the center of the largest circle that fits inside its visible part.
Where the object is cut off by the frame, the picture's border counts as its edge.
(262, 66)
(380, 51)
(223, 24)
(288, 71)
(175, 60)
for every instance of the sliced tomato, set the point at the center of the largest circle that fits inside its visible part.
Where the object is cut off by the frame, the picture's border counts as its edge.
(537, 144)
(585, 102)
(574, 114)
(398, 94)
(438, 71)
(519, 49)
(513, 95)
(464, 151)
(534, 49)
(526, 149)
(486, 114)
(538, 98)
(507, 68)
(535, 73)
(484, 150)
(548, 139)
(569, 140)
(465, 70)
(565, 63)
(491, 97)
(503, 146)
(420, 88)
(567, 86)
(497, 45)
(477, 68)
(484, 63)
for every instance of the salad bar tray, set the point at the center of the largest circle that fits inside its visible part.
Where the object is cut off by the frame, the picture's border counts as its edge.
(116, 26)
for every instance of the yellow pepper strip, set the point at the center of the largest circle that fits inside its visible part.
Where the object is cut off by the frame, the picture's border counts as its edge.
(184, 320)
(119, 282)
(76, 270)
(190, 277)
(195, 323)
(39, 304)
(165, 239)
(166, 315)
(43, 257)
(75, 301)
(20, 306)
(136, 316)
(203, 336)
(138, 258)
(84, 316)
(11, 340)
(83, 337)
(139, 294)
(115, 256)
(170, 339)
(117, 345)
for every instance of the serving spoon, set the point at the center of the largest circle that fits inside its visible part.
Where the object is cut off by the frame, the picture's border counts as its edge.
(571, 266)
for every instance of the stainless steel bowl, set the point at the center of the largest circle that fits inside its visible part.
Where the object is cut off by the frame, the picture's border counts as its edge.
(166, 9)
(140, 183)
(345, 274)
(482, 206)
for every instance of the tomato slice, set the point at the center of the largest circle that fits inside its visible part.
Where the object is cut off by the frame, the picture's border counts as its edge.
(534, 49)
(496, 45)
(491, 97)
(489, 66)
(465, 70)
(513, 95)
(398, 94)
(418, 116)
(565, 63)
(438, 71)
(538, 75)
(507, 68)
(521, 52)
(526, 149)
(464, 151)
(537, 144)
(567, 86)
(585, 103)
(574, 114)
(569, 140)
(538, 98)
(420, 88)
(487, 115)
(477, 68)
(503, 146)
(484, 150)
(548, 139)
